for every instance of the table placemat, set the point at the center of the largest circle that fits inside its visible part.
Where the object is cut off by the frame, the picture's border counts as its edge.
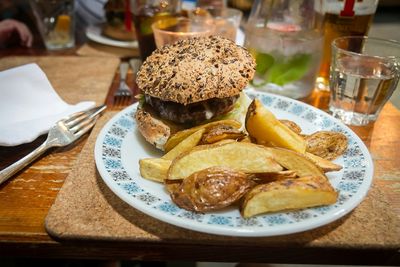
(96, 49)
(74, 78)
(86, 208)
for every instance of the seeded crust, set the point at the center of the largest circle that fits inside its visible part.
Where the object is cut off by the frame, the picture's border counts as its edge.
(196, 69)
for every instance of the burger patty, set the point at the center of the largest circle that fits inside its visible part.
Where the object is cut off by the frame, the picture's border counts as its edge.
(191, 113)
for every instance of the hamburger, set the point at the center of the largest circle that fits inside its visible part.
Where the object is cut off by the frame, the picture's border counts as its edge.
(119, 25)
(189, 83)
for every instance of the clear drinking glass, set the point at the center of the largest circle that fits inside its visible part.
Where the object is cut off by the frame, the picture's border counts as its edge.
(363, 75)
(283, 37)
(226, 20)
(56, 22)
(167, 31)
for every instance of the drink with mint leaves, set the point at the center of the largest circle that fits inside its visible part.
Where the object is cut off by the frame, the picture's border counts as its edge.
(287, 58)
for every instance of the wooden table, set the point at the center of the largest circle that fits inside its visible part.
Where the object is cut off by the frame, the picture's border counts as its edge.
(27, 198)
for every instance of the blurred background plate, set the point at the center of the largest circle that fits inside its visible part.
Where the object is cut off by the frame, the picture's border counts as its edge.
(94, 34)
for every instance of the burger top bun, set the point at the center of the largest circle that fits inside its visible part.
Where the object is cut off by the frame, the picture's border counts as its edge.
(196, 69)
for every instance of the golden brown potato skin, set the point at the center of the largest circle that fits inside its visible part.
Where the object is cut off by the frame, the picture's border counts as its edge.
(266, 129)
(221, 132)
(288, 194)
(326, 144)
(292, 126)
(211, 189)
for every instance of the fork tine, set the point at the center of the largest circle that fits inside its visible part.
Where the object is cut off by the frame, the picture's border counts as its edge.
(86, 128)
(76, 128)
(91, 115)
(75, 118)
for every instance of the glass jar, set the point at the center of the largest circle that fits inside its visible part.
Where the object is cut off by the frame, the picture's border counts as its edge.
(283, 37)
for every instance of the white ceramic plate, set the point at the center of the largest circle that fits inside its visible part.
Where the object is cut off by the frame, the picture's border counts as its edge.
(119, 147)
(94, 33)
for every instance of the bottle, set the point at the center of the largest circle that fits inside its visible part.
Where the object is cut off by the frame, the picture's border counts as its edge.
(145, 13)
(341, 18)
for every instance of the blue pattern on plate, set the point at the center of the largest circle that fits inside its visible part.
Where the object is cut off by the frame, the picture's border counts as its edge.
(354, 173)
(169, 207)
(220, 220)
(131, 188)
(112, 141)
(297, 109)
(276, 219)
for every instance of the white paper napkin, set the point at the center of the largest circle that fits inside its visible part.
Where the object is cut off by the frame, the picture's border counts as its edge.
(29, 106)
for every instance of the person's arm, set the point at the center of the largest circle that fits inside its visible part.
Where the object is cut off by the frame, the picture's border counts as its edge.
(9, 26)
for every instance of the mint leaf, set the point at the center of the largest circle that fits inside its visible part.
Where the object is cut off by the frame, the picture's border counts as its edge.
(264, 62)
(292, 70)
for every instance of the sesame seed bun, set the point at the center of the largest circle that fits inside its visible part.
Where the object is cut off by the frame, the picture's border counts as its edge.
(195, 70)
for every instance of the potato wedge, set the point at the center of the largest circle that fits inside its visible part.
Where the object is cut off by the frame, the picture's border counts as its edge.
(155, 169)
(185, 145)
(273, 176)
(289, 194)
(292, 126)
(211, 189)
(324, 164)
(220, 132)
(244, 157)
(295, 161)
(326, 144)
(266, 129)
(179, 136)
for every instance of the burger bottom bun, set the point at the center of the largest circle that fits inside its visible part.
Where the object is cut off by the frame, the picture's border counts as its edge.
(155, 130)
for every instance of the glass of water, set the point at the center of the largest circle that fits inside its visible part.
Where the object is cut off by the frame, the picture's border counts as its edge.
(364, 73)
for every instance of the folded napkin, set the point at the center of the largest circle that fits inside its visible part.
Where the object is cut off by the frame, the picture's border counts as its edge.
(29, 106)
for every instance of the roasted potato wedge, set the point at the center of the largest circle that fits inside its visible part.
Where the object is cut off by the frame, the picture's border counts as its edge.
(266, 129)
(245, 157)
(155, 169)
(211, 189)
(220, 132)
(326, 144)
(273, 176)
(292, 126)
(224, 141)
(172, 185)
(324, 164)
(179, 136)
(288, 194)
(185, 145)
(296, 162)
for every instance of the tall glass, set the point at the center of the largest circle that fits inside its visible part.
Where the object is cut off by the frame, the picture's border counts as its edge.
(168, 31)
(226, 20)
(282, 37)
(145, 13)
(341, 18)
(56, 22)
(364, 73)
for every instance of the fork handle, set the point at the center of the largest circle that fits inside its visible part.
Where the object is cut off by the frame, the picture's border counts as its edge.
(123, 70)
(6, 173)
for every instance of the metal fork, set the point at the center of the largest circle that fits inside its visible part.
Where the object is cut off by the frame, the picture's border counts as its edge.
(64, 132)
(123, 95)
